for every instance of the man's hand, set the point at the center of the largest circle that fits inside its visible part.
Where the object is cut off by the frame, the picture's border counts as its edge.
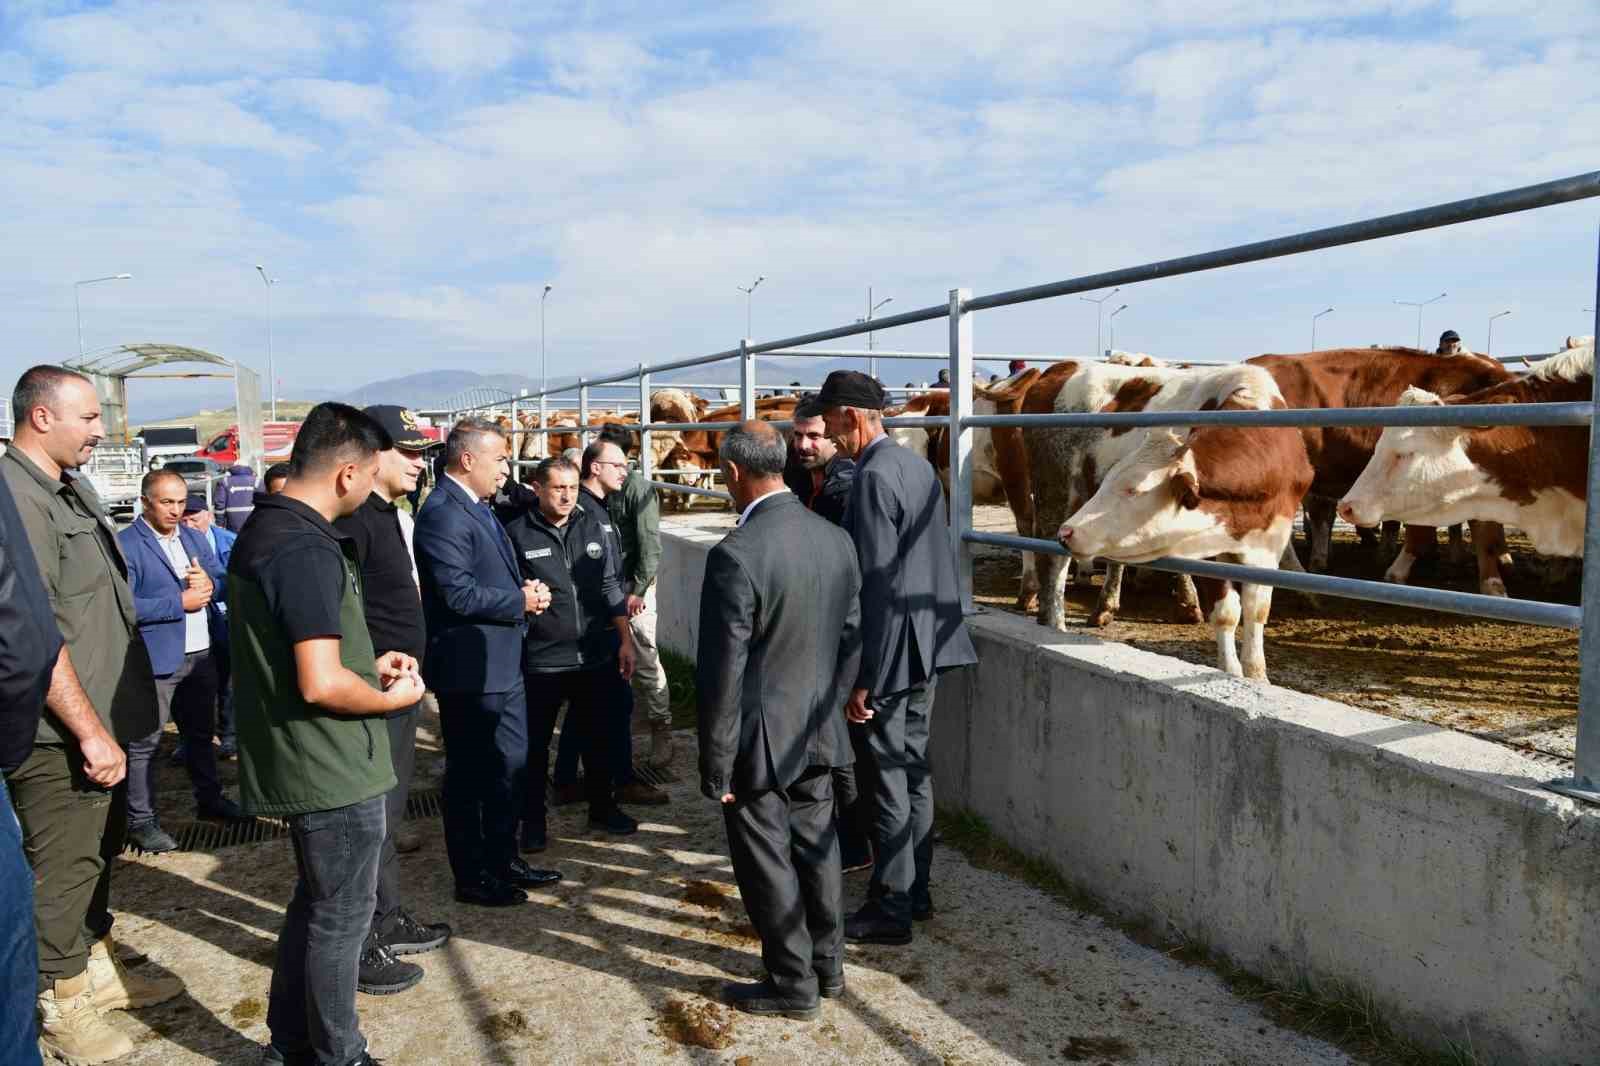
(727, 798)
(856, 708)
(635, 605)
(535, 596)
(195, 576)
(626, 659)
(404, 691)
(195, 599)
(393, 665)
(104, 761)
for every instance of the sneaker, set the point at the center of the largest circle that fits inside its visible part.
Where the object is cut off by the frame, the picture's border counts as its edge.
(149, 837)
(640, 794)
(407, 936)
(612, 821)
(381, 974)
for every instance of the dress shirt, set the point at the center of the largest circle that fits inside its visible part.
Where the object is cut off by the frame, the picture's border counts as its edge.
(756, 502)
(196, 633)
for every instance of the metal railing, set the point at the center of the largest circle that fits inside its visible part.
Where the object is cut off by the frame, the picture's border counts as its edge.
(960, 307)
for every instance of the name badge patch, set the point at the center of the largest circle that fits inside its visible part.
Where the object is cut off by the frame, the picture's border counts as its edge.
(538, 553)
(593, 549)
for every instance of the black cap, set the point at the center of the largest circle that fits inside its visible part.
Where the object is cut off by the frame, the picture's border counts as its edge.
(852, 388)
(195, 501)
(401, 425)
(1449, 335)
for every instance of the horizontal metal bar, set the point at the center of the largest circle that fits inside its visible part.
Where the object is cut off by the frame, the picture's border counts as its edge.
(1530, 612)
(1487, 414)
(670, 487)
(917, 422)
(690, 470)
(891, 353)
(1565, 190)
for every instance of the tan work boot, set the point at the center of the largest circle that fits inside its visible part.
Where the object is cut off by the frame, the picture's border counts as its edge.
(660, 745)
(72, 1030)
(114, 988)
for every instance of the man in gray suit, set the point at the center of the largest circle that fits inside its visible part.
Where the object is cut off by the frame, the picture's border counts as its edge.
(912, 630)
(780, 644)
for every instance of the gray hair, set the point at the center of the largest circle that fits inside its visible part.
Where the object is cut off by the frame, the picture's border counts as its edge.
(468, 435)
(762, 454)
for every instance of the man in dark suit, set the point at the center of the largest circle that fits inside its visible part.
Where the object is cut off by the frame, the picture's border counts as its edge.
(779, 650)
(912, 630)
(475, 604)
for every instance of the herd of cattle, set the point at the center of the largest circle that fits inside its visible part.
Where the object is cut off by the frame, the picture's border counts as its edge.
(1232, 493)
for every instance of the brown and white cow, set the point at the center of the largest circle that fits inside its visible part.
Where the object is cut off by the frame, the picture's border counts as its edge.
(1211, 492)
(1531, 477)
(1375, 377)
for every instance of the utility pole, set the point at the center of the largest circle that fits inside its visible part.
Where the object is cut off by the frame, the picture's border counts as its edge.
(1488, 347)
(272, 379)
(749, 293)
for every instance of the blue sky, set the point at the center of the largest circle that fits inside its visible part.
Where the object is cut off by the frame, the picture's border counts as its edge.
(415, 173)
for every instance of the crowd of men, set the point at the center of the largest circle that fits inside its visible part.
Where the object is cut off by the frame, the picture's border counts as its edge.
(332, 612)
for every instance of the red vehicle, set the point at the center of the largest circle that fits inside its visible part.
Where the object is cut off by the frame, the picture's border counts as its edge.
(277, 438)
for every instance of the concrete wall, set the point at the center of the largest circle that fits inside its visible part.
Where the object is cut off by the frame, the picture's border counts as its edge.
(1301, 837)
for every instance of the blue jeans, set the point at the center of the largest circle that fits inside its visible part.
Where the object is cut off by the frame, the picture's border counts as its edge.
(19, 950)
(311, 1012)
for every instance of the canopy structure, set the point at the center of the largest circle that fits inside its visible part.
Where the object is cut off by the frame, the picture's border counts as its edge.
(479, 397)
(110, 369)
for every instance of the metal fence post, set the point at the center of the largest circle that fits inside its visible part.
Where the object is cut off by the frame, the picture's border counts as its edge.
(583, 414)
(544, 421)
(644, 420)
(1584, 783)
(747, 381)
(961, 440)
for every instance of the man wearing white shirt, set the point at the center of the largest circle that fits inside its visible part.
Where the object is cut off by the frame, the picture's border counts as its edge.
(177, 586)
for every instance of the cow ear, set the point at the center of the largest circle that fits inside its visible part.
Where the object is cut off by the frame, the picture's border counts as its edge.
(1186, 487)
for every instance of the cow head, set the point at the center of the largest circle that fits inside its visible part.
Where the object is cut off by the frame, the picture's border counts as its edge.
(1418, 474)
(1147, 505)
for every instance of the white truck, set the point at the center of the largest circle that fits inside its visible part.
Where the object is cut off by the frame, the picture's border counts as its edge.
(115, 471)
(166, 442)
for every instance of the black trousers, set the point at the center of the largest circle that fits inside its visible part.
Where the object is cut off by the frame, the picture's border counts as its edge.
(855, 797)
(486, 740)
(403, 750)
(591, 696)
(903, 816)
(785, 853)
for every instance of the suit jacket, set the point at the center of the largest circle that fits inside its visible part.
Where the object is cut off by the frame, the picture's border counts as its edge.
(158, 591)
(471, 595)
(780, 640)
(911, 626)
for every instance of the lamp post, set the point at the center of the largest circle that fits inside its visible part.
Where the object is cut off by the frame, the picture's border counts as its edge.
(872, 361)
(1419, 307)
(748, 293)
(1488, 347)
(272, 379)
(1111, 320)
(77, 305)
(1097, 309)
(544, 365)
(1314, 318)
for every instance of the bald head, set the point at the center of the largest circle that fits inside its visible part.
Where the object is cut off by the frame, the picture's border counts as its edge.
(753, 455)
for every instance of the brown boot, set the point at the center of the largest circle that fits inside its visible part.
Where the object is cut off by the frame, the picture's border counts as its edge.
(114, 988)
(72, 1030)
(660, 745)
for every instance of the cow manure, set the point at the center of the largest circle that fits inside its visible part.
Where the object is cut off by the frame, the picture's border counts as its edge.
(696, 1024)
(507, 1025)
(708, 894)
(247, 1010)
(997, 988)
(1105, 1048)
(914, 977)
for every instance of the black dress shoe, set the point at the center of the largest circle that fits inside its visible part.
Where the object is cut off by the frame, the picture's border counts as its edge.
(150, 837)
(762, 998)
(522, 875)
(407, 936)
(830, 986)
(870, 925)
(223, 809)
(534, 838)
(490, 892)
(381, 974)
(922, 909)
(612, 821)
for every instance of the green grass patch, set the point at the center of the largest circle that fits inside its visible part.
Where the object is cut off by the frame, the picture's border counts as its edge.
(680, 680)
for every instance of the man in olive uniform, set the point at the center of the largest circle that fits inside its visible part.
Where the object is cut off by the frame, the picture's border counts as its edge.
(72, 817)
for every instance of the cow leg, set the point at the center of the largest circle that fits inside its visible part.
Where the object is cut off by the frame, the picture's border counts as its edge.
(1456, 553)
(1255, 606)
(1188, 599)
(1052, 590)
(1391, 537)
(1488, 540)
(1110, 601)
(1028, 595)
(1419, 542)
(1319, 530)
(1225, 624)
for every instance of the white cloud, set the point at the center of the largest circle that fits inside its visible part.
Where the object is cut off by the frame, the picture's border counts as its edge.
(341, 102)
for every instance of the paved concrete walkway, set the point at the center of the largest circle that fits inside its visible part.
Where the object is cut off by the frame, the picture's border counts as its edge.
(622, 963)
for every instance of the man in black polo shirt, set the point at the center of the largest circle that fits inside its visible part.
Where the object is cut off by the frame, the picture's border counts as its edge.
(308, 685)
(576, 648)
(393, 607)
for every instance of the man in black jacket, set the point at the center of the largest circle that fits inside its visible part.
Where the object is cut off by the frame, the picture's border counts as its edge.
(912, 630)
(392, 603)
(817, 473)
(574, 650)
(780, 645)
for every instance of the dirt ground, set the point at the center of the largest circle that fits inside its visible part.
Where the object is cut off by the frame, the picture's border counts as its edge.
(1514, 684)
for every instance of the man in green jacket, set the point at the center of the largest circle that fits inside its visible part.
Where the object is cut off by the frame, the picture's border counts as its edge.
(309, 696)
(637, 516)
(69, 793)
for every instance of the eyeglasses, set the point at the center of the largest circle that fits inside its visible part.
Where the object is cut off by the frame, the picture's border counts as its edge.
(608, 462)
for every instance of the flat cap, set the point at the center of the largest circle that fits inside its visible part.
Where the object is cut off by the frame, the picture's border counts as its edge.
(852, 388)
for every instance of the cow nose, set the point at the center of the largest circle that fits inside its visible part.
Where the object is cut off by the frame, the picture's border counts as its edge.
(1065, 536)
(1347, 512)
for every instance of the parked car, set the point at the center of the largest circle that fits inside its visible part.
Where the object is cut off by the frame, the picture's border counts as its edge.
(199, 474)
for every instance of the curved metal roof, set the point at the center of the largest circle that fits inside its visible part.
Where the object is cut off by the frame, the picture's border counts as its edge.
(125, 360)
(478, 396)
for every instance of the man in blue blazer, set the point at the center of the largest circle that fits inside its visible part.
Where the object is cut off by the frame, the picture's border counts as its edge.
(177, 586)
(475, 604)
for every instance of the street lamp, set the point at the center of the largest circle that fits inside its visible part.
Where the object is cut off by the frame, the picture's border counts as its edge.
(872, 361)
(1314, 318)
(1097, 309)
(748, 293)
(1111, 320)
(272, 380)
(77, 306)
(1419, 307)
(1488, 348)
(544, 365)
